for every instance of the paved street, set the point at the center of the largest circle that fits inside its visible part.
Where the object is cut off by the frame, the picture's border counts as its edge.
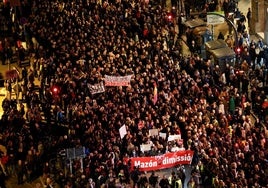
(12, 183)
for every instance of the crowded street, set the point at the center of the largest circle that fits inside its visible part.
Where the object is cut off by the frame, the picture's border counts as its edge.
(128, 93)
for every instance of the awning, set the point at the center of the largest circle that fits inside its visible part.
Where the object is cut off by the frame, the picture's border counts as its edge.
(195, 23)
(215, 44)
(223, 53)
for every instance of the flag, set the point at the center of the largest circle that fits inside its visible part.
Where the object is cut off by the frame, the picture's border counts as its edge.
(155, 93)
(123, 131)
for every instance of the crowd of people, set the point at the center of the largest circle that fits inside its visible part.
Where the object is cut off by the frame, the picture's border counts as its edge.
(74, 44)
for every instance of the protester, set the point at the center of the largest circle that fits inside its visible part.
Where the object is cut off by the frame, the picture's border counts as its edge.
(249, 17)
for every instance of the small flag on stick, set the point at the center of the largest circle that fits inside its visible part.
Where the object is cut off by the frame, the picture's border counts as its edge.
(155, 93)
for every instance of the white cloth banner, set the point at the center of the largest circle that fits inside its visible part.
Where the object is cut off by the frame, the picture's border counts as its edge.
(145, 147)
(174, 137)
(123, 131)
(96, 88)
(117, 80)
(163, 135)
(153, 132)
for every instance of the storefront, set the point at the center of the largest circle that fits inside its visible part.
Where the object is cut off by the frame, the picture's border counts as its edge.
(259, 18)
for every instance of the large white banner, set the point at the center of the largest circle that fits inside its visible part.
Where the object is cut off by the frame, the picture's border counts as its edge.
(96, 88)
(117, 80)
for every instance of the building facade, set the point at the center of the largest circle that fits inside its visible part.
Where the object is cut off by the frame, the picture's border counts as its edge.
(259, 21)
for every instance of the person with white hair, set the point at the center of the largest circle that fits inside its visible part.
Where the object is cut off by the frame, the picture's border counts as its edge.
(91, 183)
